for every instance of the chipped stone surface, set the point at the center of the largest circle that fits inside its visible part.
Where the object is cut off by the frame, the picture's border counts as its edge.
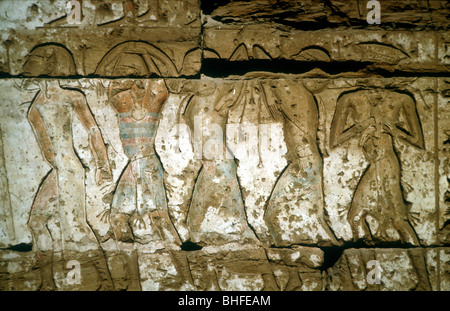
(398, 269)
(153, 29)
(323, 14)
(236, 146)
(390, 50)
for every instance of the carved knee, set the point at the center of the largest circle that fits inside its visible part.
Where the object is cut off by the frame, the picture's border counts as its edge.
(37, 223)
(354, 217)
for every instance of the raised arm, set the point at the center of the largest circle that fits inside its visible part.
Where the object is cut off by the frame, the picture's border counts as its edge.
(411, 116)
(302, 111)
(44, 142)
(156, 94)
(96, 142)
(338, 133)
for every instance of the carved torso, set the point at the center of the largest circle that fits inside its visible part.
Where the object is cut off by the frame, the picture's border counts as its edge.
(138, 111)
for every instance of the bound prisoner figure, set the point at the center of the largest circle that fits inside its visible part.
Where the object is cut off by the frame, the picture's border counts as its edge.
(62, 192)
(139, 211)
(217, 197)
(297, 200)
(377, 118)
(216, 215)
(379, 210)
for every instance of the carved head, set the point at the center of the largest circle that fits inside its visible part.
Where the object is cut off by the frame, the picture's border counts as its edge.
(131, 65)
(375, 96)
(138, 59)
(49, 60)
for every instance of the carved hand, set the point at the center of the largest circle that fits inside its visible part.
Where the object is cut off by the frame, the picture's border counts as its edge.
(105, 216)
(365, 135)
(103, 175)
(365, 124)
(388, 127)
(138, 222)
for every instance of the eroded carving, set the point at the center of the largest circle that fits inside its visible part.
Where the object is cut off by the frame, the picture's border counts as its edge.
(62, 192)
(139, 211)
(216, 214)
(241, 53)
(6, 212)
(379, 52)
(139, 207)
(136, 59)
(151, 12)
(377, 118)
(280, 173)
(295, 213)
(355, 270)
(49, 60)
(312, 53)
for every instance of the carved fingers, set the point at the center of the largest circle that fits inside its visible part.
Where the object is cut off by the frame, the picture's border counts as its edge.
(103, 175)
(366, 134)
(138, 222)
(104, 216)
(389, 128)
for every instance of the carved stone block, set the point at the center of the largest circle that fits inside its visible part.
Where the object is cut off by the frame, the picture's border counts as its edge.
(323, 14)
(224, 145)
(390, 269)
(388, 50)
(155, 31)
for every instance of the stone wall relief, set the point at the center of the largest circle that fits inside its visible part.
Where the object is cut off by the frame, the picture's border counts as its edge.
(152, 12)
(49, 60)
(238, 102)
(136, 59)
(247, 145)
(213, 112)
(8, 231)
(377, 118)
(90, 60)
(259, 102)
(139, 208)
(381, 121)
(295, 210)
(140, 214)
(220, 208)
(216, 214)
(139, 211)
(117, 13)
(351, 270)
(62, 192)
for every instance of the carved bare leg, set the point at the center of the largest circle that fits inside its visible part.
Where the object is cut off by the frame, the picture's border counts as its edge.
(132, 268)
(270, 284)
(407, 233)
(418, 258)
(163, 224)
(46, 270)
(42, 209)
(294, 283)
(124, 237)
(213, 281)
(356, 218)
(103, 271)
